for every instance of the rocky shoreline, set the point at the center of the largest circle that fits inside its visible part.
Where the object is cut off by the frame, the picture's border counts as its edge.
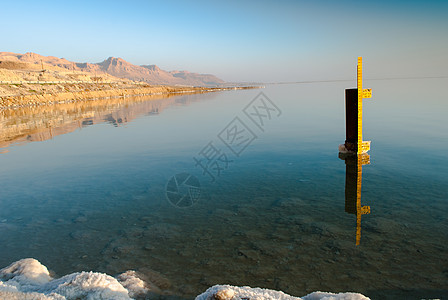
(38, 99)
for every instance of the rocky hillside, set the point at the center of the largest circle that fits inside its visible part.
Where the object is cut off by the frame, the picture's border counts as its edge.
(116, 67)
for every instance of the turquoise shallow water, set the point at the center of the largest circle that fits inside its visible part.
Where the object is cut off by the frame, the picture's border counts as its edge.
(275, 217)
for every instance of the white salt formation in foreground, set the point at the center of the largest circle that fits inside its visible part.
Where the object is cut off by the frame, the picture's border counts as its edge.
(228, 292)
(29, 279)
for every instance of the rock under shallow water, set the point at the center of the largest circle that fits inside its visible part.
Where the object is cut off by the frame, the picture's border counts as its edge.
(81, 234)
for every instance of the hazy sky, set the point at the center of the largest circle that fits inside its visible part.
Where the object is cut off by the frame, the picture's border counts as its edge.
(239, 40)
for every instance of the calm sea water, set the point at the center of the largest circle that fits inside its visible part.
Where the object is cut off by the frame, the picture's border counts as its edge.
(101, 187)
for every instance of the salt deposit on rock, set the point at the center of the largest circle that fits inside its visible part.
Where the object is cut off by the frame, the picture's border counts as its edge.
(224, 294)
(25, 272)
(130, 281)
(29, 279)
(228, 292)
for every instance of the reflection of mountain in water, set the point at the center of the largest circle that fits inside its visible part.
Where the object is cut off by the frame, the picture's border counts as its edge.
(42, 123)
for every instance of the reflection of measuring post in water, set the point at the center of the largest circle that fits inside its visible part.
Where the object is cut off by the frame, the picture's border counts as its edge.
(354, 150)
(353, 181)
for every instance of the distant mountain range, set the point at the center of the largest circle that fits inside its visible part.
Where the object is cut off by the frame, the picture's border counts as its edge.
(118, 67)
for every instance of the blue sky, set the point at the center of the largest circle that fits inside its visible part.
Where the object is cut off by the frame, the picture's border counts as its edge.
(239, 40)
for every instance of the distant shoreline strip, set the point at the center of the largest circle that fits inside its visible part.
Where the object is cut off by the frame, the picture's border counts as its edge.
(345, 80)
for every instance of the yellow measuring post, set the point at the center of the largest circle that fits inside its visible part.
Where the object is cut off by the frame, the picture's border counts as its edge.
(363, 146)
(359, 87)
(354, 150)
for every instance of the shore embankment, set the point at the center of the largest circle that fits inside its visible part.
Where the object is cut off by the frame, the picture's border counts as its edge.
(26, 95)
